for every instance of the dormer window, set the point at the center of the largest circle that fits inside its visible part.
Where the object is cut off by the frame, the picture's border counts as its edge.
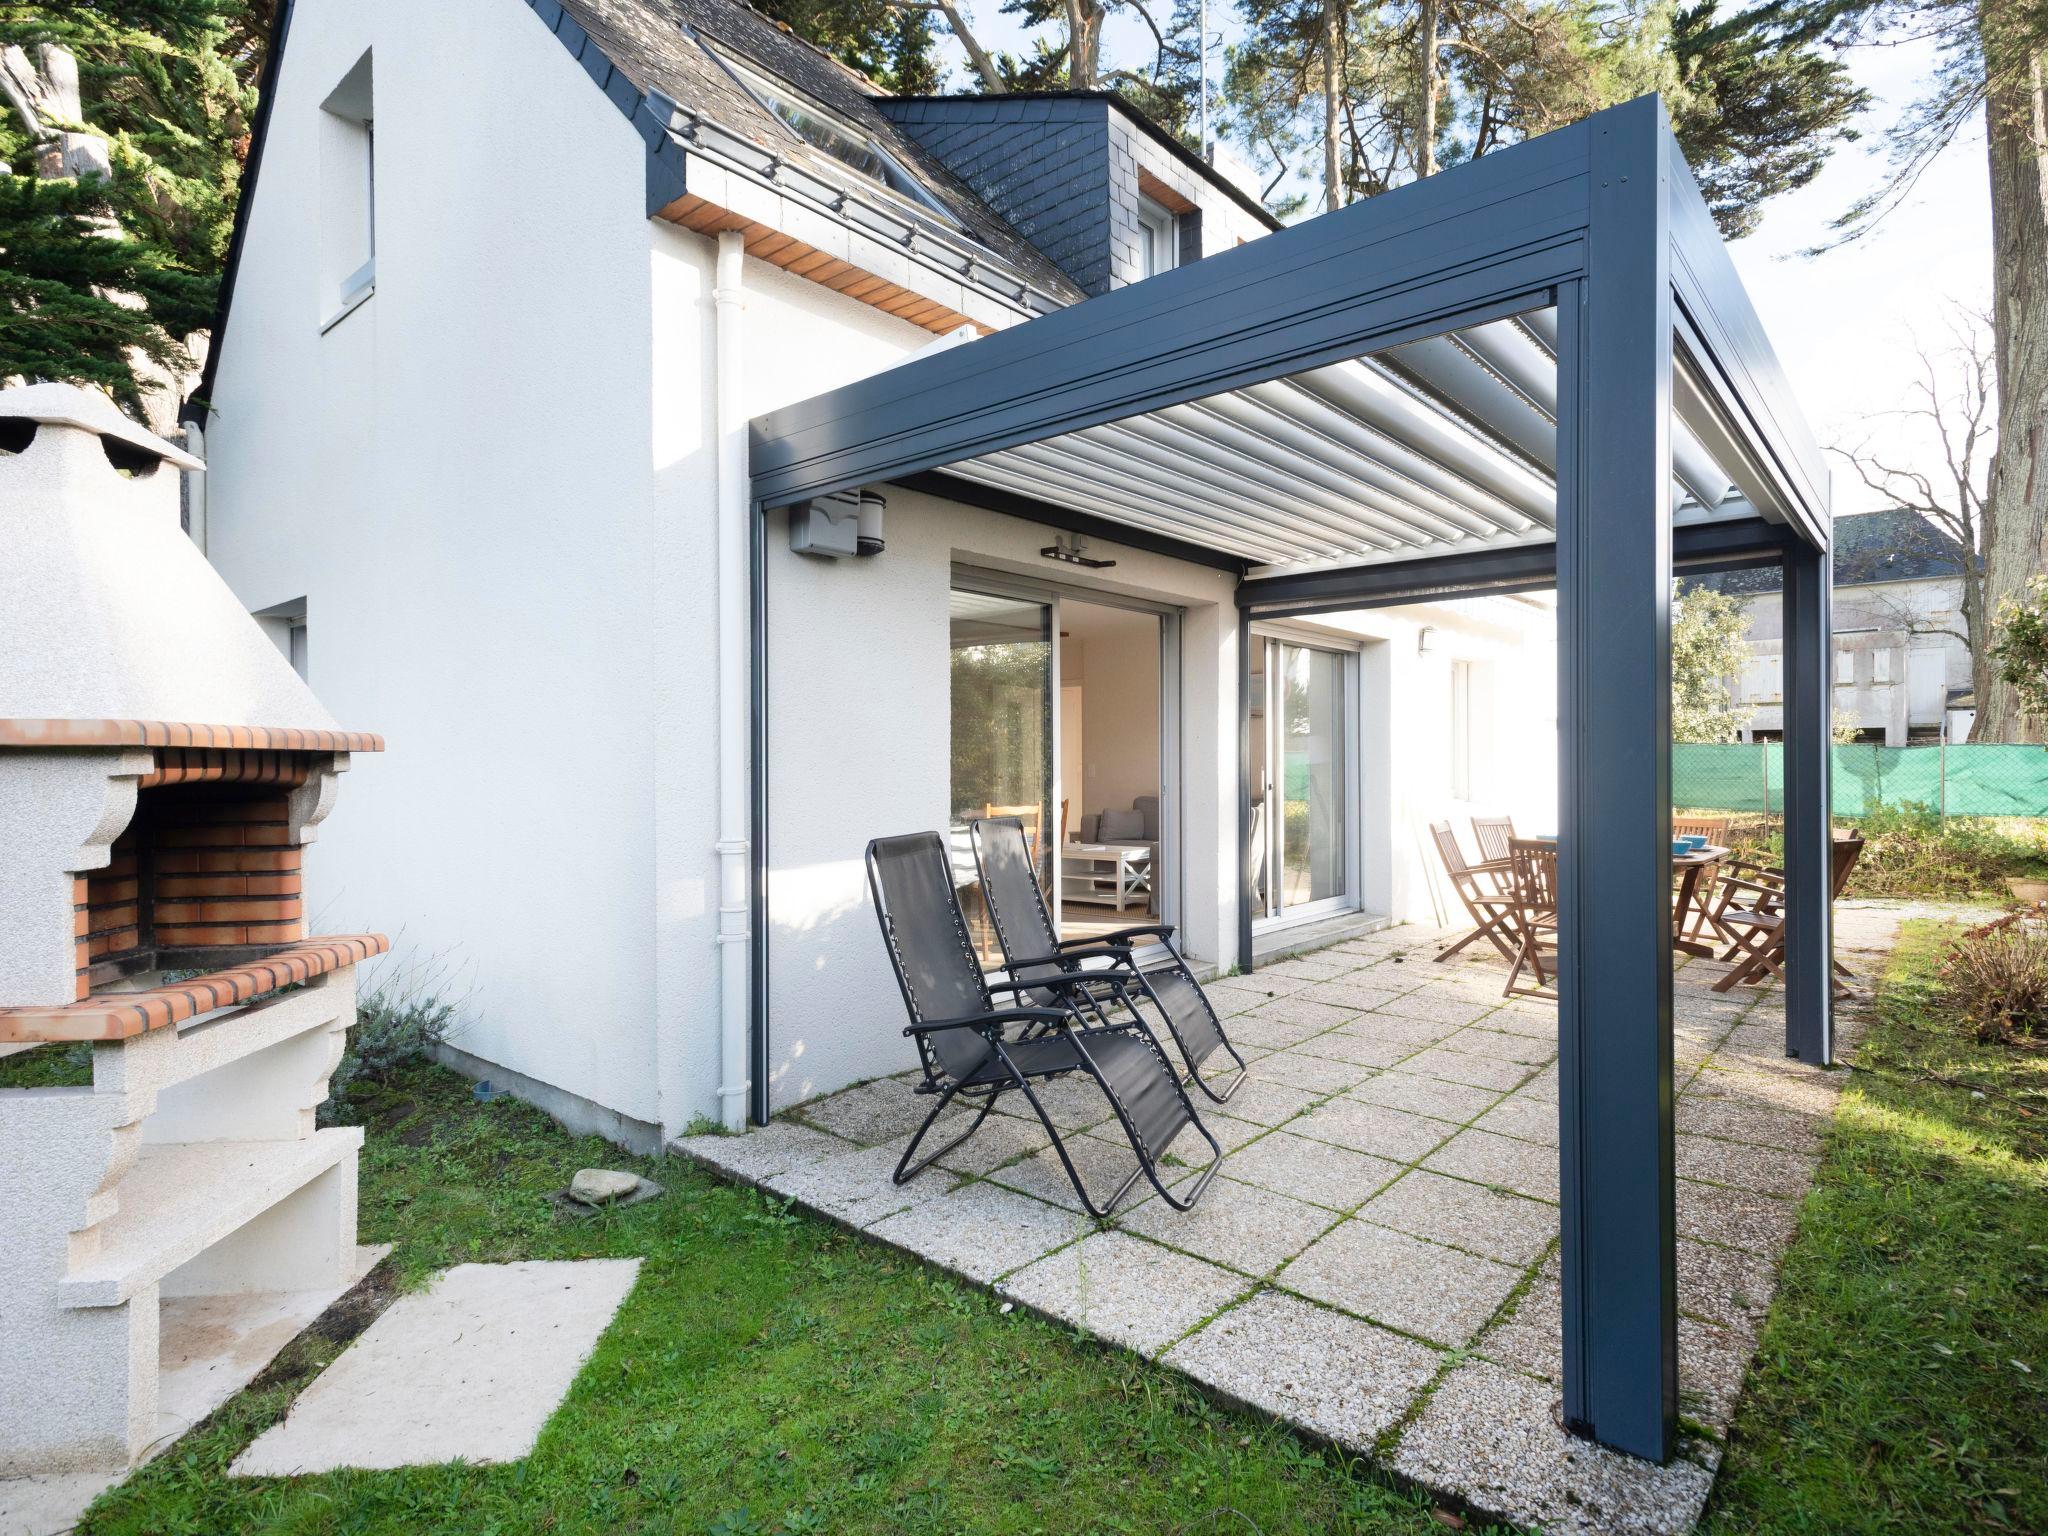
(1158, 238)
(826, 131)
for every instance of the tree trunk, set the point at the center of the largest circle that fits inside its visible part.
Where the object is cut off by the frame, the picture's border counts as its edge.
(2016, 511)
(1425, 131)
(978, 56)
(1333, 173)
(1080, 61)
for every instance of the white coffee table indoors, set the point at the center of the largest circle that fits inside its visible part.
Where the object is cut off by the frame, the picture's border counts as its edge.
(1117, 874)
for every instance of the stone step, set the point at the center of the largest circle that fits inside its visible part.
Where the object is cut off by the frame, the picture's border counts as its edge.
(181, 1198)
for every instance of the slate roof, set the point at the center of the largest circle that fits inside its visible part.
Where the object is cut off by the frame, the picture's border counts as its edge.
(650, 42)
(1896, 544)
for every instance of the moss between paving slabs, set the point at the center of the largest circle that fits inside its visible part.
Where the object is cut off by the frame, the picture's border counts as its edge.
(769, 1374)
(1902, 1383)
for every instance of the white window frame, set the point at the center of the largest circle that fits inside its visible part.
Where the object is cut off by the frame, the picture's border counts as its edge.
(1158, 238)
(1272, 918)
(1461, 729)
(349, 131)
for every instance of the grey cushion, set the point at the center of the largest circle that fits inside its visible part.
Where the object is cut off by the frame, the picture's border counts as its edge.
(1148, 807)
(1090, 821)
(1123, 826)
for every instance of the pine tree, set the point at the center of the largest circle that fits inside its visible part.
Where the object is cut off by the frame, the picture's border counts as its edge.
(1398, 90)
(105, 274)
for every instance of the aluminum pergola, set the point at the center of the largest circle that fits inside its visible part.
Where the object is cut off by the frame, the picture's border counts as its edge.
(1536, 370)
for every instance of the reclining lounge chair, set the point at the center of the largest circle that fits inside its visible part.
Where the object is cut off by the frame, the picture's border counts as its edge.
(1035, 954)
(975, 1051)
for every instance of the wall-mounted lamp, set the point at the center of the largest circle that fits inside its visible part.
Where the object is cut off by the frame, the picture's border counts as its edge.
(1425, 640)
(1069, 549)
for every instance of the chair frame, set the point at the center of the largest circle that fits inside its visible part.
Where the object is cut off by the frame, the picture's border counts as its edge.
(991, 1023)
(1488, 909)
(1756, 933)
(1116, 948)
(1533, 881)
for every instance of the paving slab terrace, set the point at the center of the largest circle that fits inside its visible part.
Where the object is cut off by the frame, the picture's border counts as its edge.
(1376, 1263)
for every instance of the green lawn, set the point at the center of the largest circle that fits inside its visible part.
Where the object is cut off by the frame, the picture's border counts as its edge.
(769, 1374)
(772, 1374)
(1903, 1380)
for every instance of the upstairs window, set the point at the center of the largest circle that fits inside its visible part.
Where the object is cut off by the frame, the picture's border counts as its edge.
(348, 194)
(1158, 237)
(826, 131)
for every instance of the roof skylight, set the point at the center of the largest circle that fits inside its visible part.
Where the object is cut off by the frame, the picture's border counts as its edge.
(826, 131)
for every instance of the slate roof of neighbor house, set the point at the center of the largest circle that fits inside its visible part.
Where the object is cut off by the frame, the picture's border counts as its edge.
(1896, 544)
(651, 42)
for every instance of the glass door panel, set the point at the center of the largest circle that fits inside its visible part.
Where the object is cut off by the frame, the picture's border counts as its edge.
(1001, 651)
(1312, 775)
(1300, 780)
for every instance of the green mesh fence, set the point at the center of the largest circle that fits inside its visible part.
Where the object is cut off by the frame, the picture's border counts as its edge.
(1960, 780)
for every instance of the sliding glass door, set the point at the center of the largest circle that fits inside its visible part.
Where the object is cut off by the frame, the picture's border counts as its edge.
(1002, 738)
(1302, 779)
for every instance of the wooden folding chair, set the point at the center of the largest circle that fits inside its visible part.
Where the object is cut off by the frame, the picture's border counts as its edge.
(1757, 950)
(1532, 878)
(1486, 903)
(1493, 834)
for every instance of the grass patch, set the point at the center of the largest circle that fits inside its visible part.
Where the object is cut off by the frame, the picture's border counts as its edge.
(1902, 1384)
(52, 1065)
(769, 1374)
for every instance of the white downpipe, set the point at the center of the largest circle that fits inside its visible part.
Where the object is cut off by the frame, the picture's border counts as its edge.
(734, 807)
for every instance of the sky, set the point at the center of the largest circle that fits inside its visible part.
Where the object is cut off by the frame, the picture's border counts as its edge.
(1844, 322)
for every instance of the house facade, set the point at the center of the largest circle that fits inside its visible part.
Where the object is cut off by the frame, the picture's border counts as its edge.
(1901, 657)
(476, 428)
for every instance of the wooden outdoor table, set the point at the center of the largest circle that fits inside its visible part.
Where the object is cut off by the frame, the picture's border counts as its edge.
(1691, 869)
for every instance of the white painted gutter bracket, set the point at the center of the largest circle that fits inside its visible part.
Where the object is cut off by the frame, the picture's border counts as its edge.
(735, 507)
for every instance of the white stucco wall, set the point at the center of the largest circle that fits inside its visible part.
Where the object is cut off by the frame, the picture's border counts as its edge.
(1406, 738)
(860, 736)
(456, 478)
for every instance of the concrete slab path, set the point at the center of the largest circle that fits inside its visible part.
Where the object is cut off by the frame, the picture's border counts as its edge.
(469, 1369)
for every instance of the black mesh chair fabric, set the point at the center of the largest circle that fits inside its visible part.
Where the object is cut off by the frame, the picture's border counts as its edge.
(974, 1061)
(1138, 1076)
(1010, 886)
(1025, 930)
(928, 944)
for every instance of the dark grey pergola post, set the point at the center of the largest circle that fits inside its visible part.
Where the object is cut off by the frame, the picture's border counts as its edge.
(1809, 853)
(1614, 802)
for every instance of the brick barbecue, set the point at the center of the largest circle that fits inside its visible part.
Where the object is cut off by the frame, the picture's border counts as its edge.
(162, 770)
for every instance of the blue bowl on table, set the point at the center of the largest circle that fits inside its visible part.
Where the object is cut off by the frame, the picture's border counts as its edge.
(1693, 843)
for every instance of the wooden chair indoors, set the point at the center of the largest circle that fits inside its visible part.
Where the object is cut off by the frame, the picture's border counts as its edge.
(1753, 912)
(1532, 879)
(1483, 890)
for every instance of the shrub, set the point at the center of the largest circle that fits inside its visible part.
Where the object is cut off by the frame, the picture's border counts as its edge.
(399, 1020)
(1996, 981)
(1910, 851)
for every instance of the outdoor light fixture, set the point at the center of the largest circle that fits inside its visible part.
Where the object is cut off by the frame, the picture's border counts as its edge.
(1070, 550)
(1425, 640)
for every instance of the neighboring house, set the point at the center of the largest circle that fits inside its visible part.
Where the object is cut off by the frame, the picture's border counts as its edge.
(511, 280)
(1901, 660)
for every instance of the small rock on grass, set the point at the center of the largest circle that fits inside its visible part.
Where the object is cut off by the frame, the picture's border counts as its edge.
(603, 1186)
